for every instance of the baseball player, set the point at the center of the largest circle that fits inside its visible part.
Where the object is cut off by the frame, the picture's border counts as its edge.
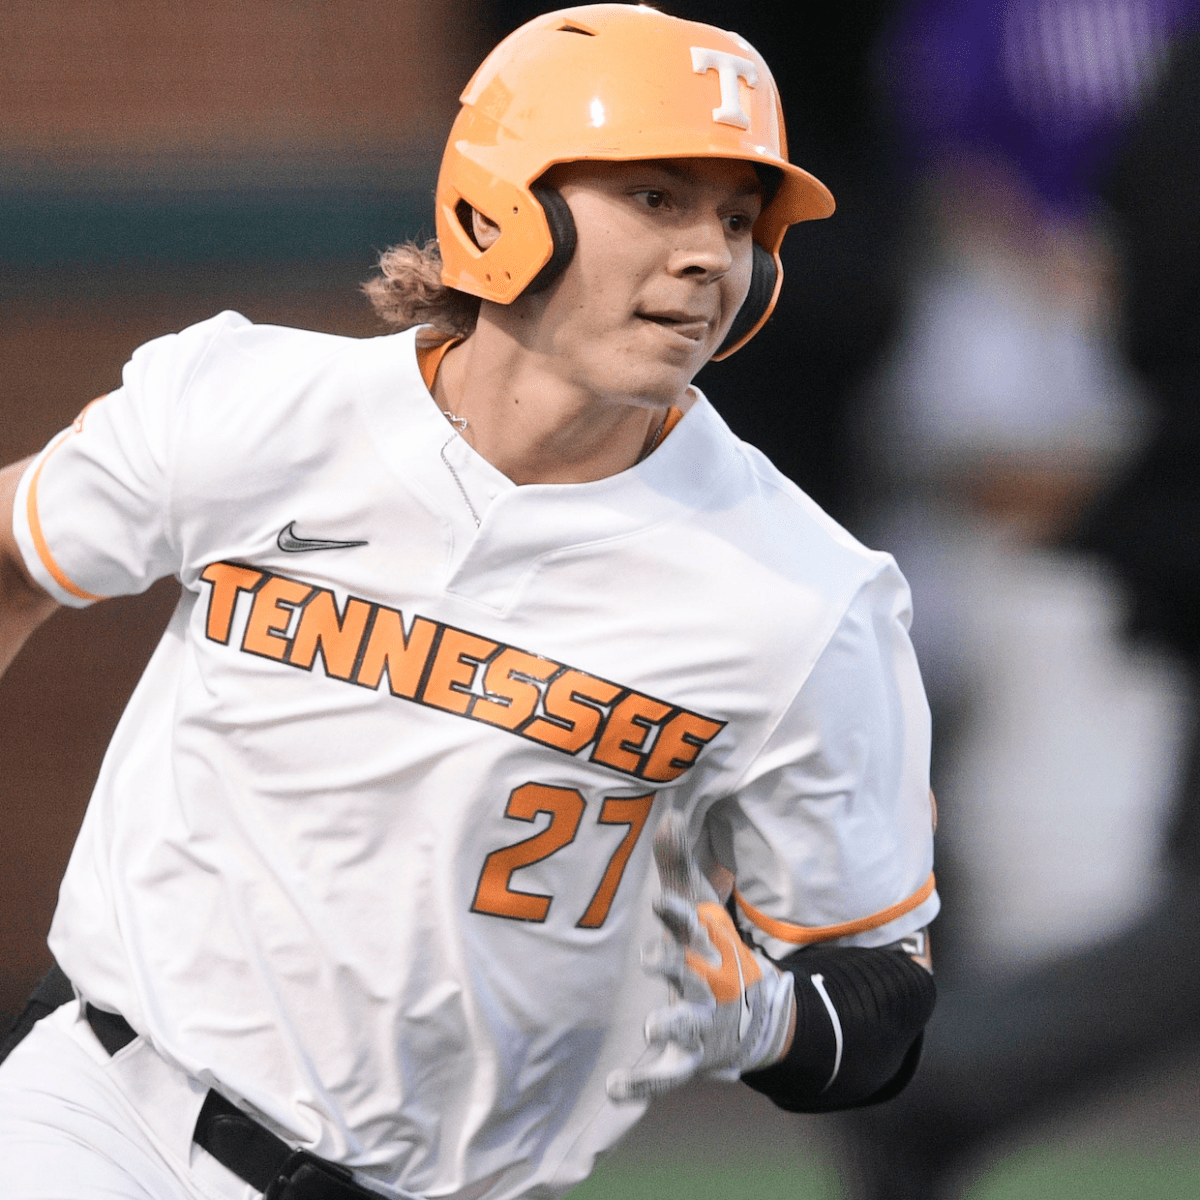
(523, 744)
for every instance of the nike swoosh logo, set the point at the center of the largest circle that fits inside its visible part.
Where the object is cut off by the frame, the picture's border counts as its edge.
(289, 541)
(744, 1015)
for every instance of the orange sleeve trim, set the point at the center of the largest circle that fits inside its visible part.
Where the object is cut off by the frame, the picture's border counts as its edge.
(804, 935)
(429, 359)
(39, 539)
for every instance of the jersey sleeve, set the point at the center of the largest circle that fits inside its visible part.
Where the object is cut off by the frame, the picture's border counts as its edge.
(93, 511)
(830, 833)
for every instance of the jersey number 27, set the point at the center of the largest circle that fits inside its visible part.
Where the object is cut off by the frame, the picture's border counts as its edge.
(565, 808)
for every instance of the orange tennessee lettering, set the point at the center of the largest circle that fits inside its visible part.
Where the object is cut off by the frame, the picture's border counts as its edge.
(273, 604)
(517, 698)
(458, 654)
(227, 580)
(626, 729)
(463, 673)
(402, 657)
(338, 640)
(574, 723)
(681, 739)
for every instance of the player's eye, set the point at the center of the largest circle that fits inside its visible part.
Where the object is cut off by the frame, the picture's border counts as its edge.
(739, 222)
(651, 197)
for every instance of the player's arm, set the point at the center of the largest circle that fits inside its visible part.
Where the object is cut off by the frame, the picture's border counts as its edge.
(838, 819)
(860, 1016)
(828, 1027)
(24, 605)
(864, 989)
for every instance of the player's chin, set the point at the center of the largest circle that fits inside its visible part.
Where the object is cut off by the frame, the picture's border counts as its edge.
(656, 384)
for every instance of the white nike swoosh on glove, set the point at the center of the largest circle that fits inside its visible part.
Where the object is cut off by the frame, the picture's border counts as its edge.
(744, 1017)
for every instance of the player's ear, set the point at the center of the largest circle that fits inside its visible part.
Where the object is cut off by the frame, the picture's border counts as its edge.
(483, 230)
(485, 233)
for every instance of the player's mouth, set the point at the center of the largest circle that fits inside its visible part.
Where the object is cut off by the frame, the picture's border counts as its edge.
(683, 324)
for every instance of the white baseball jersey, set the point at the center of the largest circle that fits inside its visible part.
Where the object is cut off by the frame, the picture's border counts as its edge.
(370, 849)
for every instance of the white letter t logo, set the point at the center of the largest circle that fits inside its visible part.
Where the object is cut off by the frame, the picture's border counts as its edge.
(729, 67)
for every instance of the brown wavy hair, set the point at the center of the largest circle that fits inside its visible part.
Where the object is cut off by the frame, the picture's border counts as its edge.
(409, 291)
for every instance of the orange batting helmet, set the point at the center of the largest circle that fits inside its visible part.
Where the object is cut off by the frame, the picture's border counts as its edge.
(609, 82)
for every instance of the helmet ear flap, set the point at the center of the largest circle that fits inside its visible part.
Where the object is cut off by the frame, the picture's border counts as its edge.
(562, 233)
(763, 277)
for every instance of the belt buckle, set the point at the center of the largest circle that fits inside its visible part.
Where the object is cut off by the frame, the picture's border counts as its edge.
(304, 1176)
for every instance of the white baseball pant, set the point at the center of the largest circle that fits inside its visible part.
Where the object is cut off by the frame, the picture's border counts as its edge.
(78, 1125)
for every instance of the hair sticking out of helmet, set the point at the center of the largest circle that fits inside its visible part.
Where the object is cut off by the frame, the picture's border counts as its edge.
(578, 84)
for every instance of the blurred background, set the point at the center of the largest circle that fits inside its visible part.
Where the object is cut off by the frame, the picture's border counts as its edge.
(987, 362)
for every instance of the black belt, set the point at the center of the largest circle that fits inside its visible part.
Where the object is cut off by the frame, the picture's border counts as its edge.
(253, 1153)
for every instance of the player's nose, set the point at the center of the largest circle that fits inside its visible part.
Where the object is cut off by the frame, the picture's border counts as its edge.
(702, 248)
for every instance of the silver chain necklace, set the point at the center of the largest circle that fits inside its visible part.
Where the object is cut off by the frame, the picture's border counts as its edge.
(656, 438)
(454, 473)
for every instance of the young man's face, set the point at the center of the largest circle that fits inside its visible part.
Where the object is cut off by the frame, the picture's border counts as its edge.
(662, 265)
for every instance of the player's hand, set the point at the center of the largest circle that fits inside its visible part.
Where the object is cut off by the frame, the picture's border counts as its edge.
(731, 1007)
